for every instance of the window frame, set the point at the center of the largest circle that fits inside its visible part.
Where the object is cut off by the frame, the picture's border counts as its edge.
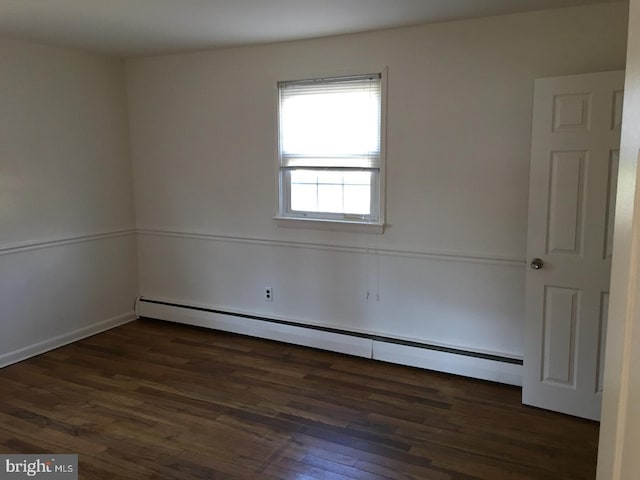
(373, 223)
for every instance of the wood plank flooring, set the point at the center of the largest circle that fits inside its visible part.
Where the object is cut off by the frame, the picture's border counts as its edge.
(158, 400)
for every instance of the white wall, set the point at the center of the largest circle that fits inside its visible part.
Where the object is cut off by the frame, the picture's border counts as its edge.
(450, 268)
(68, 263)
(620, 429)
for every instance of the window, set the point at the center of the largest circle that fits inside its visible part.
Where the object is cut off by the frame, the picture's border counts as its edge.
(330, 149)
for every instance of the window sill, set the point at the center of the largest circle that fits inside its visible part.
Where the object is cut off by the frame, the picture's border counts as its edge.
(335, 225)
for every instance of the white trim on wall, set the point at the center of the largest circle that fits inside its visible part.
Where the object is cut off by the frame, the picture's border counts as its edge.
(65, 339)
(467, 257)
(57, 242)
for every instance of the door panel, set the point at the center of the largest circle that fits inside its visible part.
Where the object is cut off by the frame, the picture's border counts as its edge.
(560, 318)
(565, 202)
(575, 140)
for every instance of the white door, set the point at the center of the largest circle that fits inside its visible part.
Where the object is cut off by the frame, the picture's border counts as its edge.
(574, 166)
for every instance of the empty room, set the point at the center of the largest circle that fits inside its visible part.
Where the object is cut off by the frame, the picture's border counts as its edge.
(350, 239)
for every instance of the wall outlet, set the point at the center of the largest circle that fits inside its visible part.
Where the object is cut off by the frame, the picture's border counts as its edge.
(268, 294)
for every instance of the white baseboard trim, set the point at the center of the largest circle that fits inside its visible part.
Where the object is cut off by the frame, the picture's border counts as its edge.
(64, 339)
(357, 344)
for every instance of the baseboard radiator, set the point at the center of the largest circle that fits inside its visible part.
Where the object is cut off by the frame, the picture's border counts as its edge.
(497, 368)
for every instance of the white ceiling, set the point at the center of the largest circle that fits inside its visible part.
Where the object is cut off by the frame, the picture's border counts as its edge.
(141, 27)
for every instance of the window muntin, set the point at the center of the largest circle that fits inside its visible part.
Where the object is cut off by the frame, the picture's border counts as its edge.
(330, 148)
(347, 192)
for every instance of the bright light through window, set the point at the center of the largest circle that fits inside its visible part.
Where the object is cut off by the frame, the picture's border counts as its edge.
(332, 192)
(330, 148)
(343, 123)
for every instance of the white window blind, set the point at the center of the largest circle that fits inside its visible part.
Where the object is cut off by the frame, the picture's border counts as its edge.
(331, 123)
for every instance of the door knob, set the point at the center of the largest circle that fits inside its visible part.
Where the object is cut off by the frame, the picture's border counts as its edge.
(537, 263)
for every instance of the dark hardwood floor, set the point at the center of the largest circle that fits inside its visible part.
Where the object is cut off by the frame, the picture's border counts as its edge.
(157, 400)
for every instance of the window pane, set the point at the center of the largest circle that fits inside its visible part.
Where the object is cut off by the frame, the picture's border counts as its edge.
(359, 178)
(330, 198)
(331, 192)
(304, 176)
(357, 199)
(331, 178)
(304, 198)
